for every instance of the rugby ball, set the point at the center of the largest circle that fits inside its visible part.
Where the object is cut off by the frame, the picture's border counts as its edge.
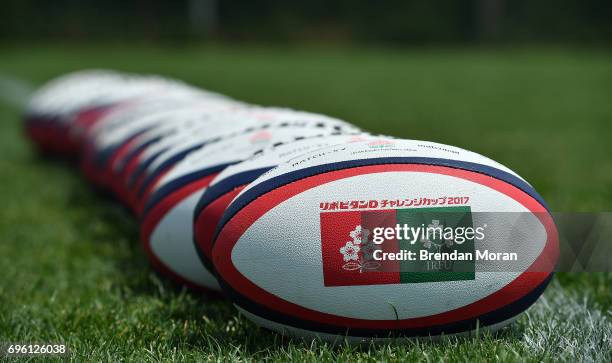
(228, 183)
(125, 167)
(315, 247)
(145, 177)
(48, 113)
(137, 126)
(167, 219)
(61, 113)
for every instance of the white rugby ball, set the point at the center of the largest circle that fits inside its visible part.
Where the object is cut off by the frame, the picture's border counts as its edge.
(295, 250)
(47, 115)
(179, 147)
(167, 219)
(228, 183)
(124, 127)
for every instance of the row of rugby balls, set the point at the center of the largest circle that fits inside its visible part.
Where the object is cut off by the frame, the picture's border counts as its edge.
(275, 206)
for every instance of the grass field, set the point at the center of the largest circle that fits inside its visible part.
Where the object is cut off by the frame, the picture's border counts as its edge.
(73, 271)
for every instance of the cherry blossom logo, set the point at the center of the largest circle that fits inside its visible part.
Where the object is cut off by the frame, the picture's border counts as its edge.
(358, 253)
(350, 251)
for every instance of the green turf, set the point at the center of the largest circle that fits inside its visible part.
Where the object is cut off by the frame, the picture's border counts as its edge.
(73, 271)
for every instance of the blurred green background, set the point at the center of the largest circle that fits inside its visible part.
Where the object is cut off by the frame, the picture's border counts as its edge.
(356, 21)
(527, 83)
